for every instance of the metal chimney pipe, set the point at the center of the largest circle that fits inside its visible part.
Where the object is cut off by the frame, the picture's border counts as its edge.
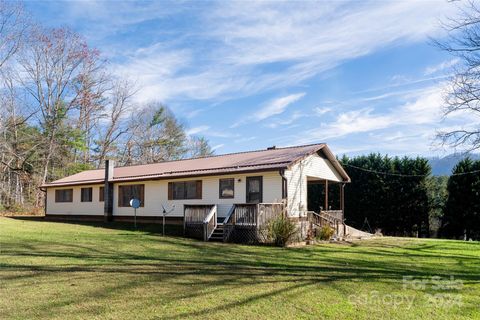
(108, 191)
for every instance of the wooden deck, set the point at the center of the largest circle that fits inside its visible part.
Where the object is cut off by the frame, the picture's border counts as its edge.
(199, 221)
(244, 222)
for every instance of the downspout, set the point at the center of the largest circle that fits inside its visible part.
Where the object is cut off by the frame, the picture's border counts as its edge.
(284, 184)
(284, 189)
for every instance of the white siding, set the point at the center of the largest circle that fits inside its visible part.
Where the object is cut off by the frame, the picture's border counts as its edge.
(76, 207)
(156, 194)
(313, 166)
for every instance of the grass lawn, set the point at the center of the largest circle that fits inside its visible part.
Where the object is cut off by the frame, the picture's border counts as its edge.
(80, 271)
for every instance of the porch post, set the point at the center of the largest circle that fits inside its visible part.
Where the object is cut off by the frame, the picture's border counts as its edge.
(342, 204)
(326, 195)
(341, 185)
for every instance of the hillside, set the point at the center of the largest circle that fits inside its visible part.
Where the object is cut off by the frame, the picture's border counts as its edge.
(443, 165)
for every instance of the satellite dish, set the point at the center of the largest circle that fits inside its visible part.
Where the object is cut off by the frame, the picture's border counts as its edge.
(165, 208)
(165, 212)
(135, 203)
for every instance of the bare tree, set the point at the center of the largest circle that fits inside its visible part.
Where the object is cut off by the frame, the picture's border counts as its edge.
(463, 92)
(18, 148)
(199, 147)
(92, 85)
(52, 65)
(156, 135)
(111, 127)
(13, 27)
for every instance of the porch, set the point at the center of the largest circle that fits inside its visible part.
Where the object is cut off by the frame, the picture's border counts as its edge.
(325, 204)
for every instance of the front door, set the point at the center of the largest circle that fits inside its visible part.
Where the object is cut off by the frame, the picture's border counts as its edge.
(254, 189)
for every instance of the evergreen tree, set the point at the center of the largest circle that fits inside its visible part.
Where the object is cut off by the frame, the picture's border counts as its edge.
(391, 193)
(462, 218)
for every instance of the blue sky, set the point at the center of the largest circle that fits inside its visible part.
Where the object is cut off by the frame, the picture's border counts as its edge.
(361, 76)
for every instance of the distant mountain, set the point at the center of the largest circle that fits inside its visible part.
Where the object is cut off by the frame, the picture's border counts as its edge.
(443, 166)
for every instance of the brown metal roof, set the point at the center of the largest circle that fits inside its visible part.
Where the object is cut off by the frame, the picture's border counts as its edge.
(260, 160)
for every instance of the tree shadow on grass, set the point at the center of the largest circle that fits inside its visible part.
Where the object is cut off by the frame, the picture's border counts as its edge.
(148, 228)
(193, 266)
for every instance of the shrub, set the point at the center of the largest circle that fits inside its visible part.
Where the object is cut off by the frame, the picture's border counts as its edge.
(281, 230)
(325, 233)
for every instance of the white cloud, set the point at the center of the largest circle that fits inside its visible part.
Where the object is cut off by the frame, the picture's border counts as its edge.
(272, 108)
(423, 109)
(441, 66)
(277, 106)
(218, 146)
(274, 123)
(197, 130)
(241, 40)
(209, 132)
(321, 111)
(266, 32)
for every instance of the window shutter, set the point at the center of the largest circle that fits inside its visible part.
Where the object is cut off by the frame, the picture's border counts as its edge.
(199, 189)
(120, 196)
(170, 191)
(142, 195)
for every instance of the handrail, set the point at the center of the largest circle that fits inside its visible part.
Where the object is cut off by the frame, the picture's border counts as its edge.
(328, 215)
(208, 226)
(229, 214)
(210, 214)
(228, 225)
(322, 218)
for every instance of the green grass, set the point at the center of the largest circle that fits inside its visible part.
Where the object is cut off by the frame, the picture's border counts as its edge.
(80, 271)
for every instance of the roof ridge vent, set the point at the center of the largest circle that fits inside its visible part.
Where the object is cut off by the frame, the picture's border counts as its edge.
(272, 148)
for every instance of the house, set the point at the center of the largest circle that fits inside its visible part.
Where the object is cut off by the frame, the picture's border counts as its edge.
(210, 196)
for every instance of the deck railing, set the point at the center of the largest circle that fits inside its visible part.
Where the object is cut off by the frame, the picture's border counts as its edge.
(332, 218)
(194, 219)
(268, 211)
(245, 220)
(245, 214)
(228, 224)
(337, 214)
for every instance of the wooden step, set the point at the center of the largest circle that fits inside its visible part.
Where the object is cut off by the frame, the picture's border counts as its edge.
(217, 234)
(216, 238)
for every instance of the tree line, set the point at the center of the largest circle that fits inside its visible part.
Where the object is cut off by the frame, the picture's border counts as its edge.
(399, 196)
(63, 110)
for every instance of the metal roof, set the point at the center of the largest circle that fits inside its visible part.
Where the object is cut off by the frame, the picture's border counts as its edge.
(260, 160)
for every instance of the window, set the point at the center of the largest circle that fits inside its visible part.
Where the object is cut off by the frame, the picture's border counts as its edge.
(129, 192)
(64, 195)
(101, 194)
(86, 195)
(185, 190)
(227, 188)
